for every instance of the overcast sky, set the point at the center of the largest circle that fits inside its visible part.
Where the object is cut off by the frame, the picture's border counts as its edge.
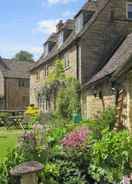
(25, 24)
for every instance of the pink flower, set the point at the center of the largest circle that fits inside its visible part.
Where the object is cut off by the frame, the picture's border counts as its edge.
(127, 179)
(75, 138)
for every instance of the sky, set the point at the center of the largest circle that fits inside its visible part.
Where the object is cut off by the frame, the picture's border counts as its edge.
(26, 24)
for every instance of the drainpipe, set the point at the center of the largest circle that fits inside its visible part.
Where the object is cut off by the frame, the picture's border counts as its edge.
(77, 63)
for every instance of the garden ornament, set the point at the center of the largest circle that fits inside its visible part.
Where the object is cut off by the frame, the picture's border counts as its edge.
(27, 172)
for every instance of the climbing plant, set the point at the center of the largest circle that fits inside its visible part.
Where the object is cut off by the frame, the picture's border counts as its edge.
(65, 91)
(68, 98)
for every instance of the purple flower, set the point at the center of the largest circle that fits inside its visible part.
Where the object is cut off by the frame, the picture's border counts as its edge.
(28, 137)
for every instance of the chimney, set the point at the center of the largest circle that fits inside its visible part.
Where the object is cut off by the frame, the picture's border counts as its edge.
(92, 5)
(59, 25)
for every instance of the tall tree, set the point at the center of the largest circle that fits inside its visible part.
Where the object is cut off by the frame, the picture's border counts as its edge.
(24, 56)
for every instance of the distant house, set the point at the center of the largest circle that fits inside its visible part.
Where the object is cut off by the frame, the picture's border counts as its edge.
(14, 84)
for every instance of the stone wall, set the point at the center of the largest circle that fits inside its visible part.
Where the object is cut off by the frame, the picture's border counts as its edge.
(91, 102)
(129, 101)
(1, 91)
(1, 84)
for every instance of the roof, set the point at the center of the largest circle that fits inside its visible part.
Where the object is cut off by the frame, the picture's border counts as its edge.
(72, 37)
(88, 6)
(12, 69)
(117, 62)
(69, 24)
(52, 38)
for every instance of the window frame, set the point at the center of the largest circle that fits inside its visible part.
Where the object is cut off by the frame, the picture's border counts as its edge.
(46, 49)
(23, 83)
(60, 38)
(66, 61)
(80, 18)
(127, 12)
(37, 76)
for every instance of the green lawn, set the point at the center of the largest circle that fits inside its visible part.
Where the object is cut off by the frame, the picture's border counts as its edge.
(8, 140)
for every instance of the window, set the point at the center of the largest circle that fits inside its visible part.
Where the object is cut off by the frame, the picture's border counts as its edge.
(66, 61)
(79, 23)
(38, 76)
(46, 49)
(23, 83)
(60, 39)
(129, 10)
(45, 70)
(39, 101)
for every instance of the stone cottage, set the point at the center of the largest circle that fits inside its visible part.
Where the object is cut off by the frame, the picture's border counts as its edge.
(89, 47)
(108, 86)
(14, 84)
(64, 44)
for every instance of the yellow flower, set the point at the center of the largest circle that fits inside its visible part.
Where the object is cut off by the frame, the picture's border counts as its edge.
(32, 111)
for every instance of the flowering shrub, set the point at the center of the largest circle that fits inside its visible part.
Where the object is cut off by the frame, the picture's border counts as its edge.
(28, 142)
(127, 179)
(32, 116)
(76, 138)
(32, 111)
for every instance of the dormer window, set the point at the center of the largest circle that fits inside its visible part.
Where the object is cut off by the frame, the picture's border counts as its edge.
(81, 19)
(129, 10)
(46, 49)
(79, 23)
(60, 38)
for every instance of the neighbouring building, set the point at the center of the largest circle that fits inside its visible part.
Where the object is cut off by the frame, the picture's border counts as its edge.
(93, 45)
(14, 84)
(102, 89)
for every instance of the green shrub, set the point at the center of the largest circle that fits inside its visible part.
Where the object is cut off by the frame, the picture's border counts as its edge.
(106, 121)
(111, 157)
(14, 158)
(68, 98)
(3, 118)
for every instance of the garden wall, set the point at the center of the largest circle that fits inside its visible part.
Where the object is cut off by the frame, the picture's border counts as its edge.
(92, 103)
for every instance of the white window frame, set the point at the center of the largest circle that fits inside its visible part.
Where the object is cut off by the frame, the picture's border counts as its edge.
(46, 49)
(60, 38)
(127, 4)
(79, 23)
(66, 61)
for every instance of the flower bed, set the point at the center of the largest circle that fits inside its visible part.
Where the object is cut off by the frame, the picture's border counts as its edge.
(86, 153)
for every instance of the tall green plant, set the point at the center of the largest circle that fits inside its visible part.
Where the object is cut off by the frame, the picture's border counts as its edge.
(68, 98)
(56, 74)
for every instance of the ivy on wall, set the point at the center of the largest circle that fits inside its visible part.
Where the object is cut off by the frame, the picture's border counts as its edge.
(65, 90)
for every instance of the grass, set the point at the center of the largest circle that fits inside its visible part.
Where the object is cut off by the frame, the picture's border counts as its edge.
(8, 141)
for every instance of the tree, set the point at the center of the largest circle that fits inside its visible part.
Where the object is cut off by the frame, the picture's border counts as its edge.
(24, 56)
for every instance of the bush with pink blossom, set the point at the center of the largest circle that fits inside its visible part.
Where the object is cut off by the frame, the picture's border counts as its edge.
(127, 179)
(76, 138)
